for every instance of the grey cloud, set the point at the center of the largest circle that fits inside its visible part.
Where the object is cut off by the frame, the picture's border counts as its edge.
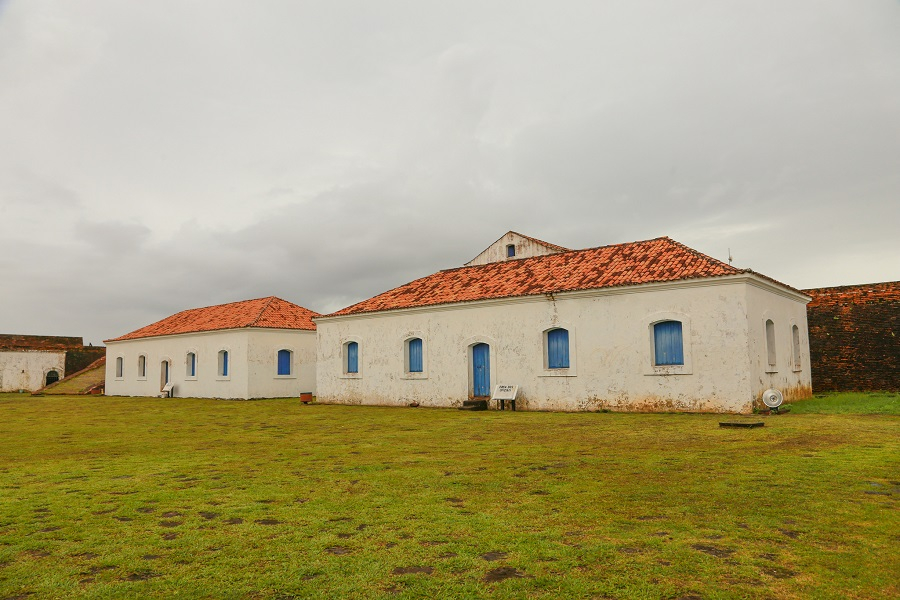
(185, 154)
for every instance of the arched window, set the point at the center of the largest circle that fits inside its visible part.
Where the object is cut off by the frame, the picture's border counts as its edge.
(52, 377)
(352, 353)
(284, 362)
(142, 366)
(119, 366)
(558, 349)
(668, 345)
(191, 364)
(770, 342)
(795, 343)
(414, 355)
(223, 363)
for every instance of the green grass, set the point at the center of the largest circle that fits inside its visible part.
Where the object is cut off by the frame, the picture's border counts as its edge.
(146, 498)
(851, 403)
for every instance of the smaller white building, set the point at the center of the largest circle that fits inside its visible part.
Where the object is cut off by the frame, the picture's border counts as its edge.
(29, 362)
(263, 348)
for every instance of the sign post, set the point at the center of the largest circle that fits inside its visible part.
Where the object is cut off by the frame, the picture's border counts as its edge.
(504, 393)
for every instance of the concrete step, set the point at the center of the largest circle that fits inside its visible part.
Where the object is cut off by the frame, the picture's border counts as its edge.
(474, 405)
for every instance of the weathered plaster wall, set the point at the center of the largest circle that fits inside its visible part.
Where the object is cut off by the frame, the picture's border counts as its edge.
(854, 334)
(525, 248)
(610, 350)
(252, 364)
(784, 311)
(264, 379)
(27, 370)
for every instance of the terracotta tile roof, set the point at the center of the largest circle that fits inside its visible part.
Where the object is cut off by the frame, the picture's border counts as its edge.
(39, 342)
(657, 260)
(268, 312)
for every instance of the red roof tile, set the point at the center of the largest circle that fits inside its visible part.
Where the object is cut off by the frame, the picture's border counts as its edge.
(657, 260)
(268, 312)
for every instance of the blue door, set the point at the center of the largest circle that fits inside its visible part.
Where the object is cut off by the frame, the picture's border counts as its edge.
(481, 370)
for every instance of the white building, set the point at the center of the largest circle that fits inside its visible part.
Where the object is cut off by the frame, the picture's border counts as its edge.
(650, 326)
(264, 348)
(29, 362)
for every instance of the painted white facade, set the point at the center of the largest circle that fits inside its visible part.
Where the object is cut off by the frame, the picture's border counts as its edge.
(525, 247)
(252, 364)
(27, 369)
(611, 362)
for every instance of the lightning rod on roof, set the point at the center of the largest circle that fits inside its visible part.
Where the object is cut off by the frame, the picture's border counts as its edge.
(729, 256)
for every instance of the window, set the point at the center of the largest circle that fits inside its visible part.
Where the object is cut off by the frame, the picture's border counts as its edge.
(558, 349)
(223, 363)
(284, 362)
(191, 364)
(795, 342)
(770, 343)
(142, 366)
(668, 344)
(352, 353)
(119, 364)
(510, 250)
(414, 355)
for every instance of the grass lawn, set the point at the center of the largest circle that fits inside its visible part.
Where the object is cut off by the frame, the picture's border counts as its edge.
(139, 497)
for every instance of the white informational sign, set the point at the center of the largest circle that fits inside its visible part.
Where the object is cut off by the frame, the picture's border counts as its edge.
(505, 392)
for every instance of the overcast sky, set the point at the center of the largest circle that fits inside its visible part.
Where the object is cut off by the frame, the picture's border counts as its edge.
(168, 154)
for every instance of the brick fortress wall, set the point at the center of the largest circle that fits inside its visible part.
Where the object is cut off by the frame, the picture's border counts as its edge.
(854, 337)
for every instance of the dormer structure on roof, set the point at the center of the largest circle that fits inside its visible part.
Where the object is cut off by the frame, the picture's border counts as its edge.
(513, 246)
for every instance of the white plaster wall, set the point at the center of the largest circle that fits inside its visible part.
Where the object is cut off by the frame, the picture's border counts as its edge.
(610, 350)
(27, 369)
(525, 248)
(784, 311)
(207, 383)
(251, 357)
(264, 345)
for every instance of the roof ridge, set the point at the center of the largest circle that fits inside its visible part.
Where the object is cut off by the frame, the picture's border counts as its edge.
(701, 254)
(262, 310)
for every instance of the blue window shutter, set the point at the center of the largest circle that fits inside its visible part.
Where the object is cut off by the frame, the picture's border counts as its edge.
(510, 251)
(225, 363)
(669, 348)
(558, 349)
(284, 362)
(415, 355)
(353, 357)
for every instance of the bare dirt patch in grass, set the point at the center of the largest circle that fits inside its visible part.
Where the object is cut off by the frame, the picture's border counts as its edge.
(501, 574)
(713, 550)
(492, 556)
